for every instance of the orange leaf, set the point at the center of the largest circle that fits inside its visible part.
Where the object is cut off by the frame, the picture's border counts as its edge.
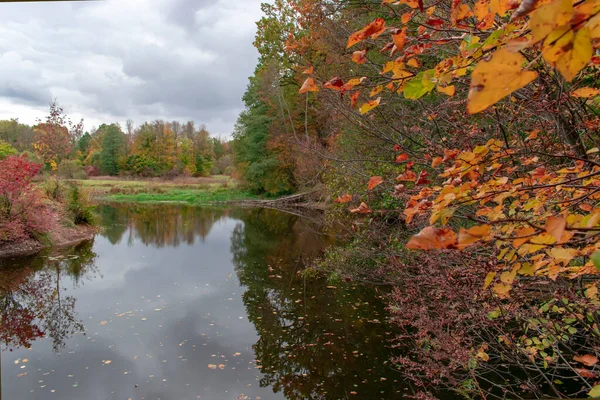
(400, 39)
(354, 98)
(587, 359)
(406, 17)
(524, 235)
(374, 29)
(436, 161)
(459, 13)
(346, 198)
(374, 182)
(362, 209)
(407, 176)
(555, 226)
(309, 70)
(431, 238)
(401, 157)
(502, 290)
(467, 237)
(359, 56)
(309, 86)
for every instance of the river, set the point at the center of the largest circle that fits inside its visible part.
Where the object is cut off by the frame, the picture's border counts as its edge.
(174, 302)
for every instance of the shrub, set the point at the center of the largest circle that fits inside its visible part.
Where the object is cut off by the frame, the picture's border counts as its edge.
(6, 150)
(54, 188)
(79, 206)
(22, 213)
(71, 169)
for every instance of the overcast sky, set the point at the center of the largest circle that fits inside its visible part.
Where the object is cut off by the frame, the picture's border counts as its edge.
(108, 61)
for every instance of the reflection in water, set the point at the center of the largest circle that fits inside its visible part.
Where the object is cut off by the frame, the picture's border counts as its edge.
(165, 316)
(316, 341)
(159, 225)
(33, 301)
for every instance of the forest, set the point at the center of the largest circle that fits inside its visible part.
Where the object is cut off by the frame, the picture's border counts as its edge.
(153, 149)
(459, 143)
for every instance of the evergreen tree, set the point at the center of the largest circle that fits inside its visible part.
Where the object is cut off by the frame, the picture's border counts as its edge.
(113, 149)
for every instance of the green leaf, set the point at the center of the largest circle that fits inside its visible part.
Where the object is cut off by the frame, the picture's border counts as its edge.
(419, 85)
(494, 314)
(596, 260)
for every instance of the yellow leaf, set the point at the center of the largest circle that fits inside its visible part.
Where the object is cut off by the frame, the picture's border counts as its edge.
(569, 52)
(562, 255)
(549, 17)
(413, 62)
(365, 108)
(489, 279)
(495, 79)
(376, 90)
(449, 90)
(586, 92)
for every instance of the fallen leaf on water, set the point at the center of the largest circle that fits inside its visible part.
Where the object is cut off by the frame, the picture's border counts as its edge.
(106, 362)
(212, 366)
(103, 323)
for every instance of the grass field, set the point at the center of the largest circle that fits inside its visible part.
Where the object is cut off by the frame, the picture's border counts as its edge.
(186, 190)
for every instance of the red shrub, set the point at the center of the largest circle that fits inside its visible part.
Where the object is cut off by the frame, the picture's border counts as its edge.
(91, 170)
(22, 213)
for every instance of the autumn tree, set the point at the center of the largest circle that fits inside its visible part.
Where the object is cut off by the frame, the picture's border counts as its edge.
(55, 136)
(475, 124)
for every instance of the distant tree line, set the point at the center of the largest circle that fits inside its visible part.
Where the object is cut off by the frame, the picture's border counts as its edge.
(152, 149)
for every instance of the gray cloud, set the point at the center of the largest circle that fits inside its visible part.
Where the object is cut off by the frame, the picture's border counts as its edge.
(141, 59)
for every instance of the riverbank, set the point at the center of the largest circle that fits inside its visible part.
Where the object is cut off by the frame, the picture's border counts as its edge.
(59, 236)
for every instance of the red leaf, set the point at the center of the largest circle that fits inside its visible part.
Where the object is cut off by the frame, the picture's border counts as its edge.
(335, 83)
(422, 180)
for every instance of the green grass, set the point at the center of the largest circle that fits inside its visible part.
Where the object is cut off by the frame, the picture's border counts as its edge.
(198, 191)
(185, 196)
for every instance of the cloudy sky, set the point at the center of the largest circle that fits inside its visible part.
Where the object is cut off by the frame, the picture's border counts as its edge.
(108, 61)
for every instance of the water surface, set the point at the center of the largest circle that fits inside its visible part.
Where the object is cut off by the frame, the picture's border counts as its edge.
(176, 302)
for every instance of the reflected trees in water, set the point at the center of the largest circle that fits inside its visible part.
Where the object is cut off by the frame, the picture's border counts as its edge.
(317, 340)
